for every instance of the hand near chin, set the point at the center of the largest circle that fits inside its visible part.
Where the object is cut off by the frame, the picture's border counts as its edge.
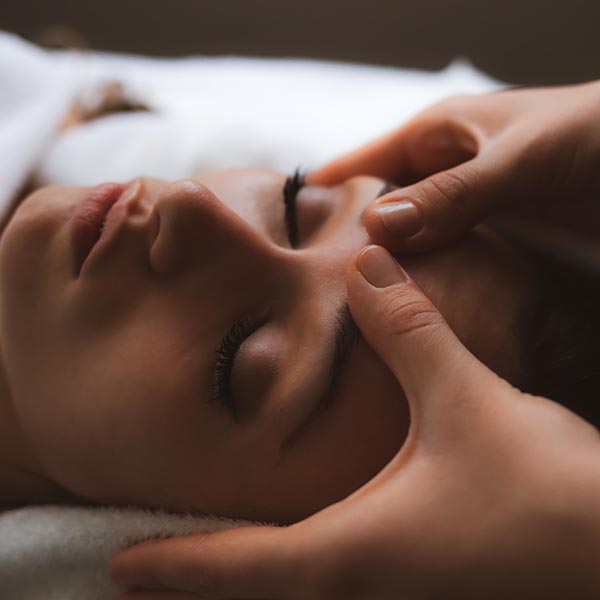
(495, 494)
(527, 153)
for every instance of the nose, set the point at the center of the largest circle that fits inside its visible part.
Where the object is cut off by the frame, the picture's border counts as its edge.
(196, 228)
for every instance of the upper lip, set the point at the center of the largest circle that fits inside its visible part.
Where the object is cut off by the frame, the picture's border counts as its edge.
(90, 237)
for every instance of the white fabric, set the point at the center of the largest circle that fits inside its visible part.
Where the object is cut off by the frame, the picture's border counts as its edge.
(214, 113)
(62, 553)
(207, 113)
(34, 96)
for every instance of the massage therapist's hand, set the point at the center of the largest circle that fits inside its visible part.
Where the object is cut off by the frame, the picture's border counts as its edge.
(494, 494)
(530, 152)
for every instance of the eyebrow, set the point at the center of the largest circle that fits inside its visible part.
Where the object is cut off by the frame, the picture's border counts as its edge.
(346, 335)
(389, 186)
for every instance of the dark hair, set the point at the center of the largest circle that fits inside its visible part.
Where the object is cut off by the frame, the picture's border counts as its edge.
(560, 335)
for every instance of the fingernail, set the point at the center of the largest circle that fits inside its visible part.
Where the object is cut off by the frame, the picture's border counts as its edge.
(402, 218)
(379, 268)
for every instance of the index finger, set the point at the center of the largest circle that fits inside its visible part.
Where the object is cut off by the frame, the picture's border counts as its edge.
(248, 562)
(384, 157)
(427, 144)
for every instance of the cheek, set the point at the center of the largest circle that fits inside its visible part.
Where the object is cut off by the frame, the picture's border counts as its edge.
(106, 418)
(114, 435)
(36, 235)
(352, 441)
(35, 274)
(372, 421)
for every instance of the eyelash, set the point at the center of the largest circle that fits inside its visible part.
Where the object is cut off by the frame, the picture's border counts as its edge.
(226, 351)
(291, 188)
(243, 329)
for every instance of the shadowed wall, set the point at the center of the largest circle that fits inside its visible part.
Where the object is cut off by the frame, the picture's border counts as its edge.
(527, 41)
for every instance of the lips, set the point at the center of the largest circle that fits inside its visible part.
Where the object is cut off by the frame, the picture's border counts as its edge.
(88, 218)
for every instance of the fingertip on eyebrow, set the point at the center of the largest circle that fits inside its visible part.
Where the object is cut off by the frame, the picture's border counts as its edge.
(361, 217)
(389, 186)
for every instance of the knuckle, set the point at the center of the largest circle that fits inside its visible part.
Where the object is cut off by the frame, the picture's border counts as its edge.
(449, 190)
(547, 154)
(454, 104)
(448, 110)
(405, 312)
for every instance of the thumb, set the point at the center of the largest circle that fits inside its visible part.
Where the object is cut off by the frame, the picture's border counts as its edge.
(444, 206)
(248, 562)
(412, 338)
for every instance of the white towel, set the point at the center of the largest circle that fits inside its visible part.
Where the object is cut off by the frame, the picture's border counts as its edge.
(62, 553)
(206, 113)
(35, 94)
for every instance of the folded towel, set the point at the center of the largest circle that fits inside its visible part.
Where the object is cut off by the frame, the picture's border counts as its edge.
(62, 553)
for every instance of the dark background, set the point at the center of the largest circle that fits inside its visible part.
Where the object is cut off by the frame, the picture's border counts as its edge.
(524, 42)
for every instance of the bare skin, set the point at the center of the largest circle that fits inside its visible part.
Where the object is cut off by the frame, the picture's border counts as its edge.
(110, 372)
(496, 493)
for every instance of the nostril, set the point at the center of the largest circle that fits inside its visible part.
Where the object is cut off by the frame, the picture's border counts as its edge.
(133, 195)
(154, 225)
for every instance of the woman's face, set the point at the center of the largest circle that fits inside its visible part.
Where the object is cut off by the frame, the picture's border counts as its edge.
(123, 377)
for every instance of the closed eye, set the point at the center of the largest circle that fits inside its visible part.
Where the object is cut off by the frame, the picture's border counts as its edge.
(226, 352)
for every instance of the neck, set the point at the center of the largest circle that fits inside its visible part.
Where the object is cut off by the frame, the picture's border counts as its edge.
(23, 480)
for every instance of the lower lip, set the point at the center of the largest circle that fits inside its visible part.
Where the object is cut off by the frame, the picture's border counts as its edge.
(88, 218)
